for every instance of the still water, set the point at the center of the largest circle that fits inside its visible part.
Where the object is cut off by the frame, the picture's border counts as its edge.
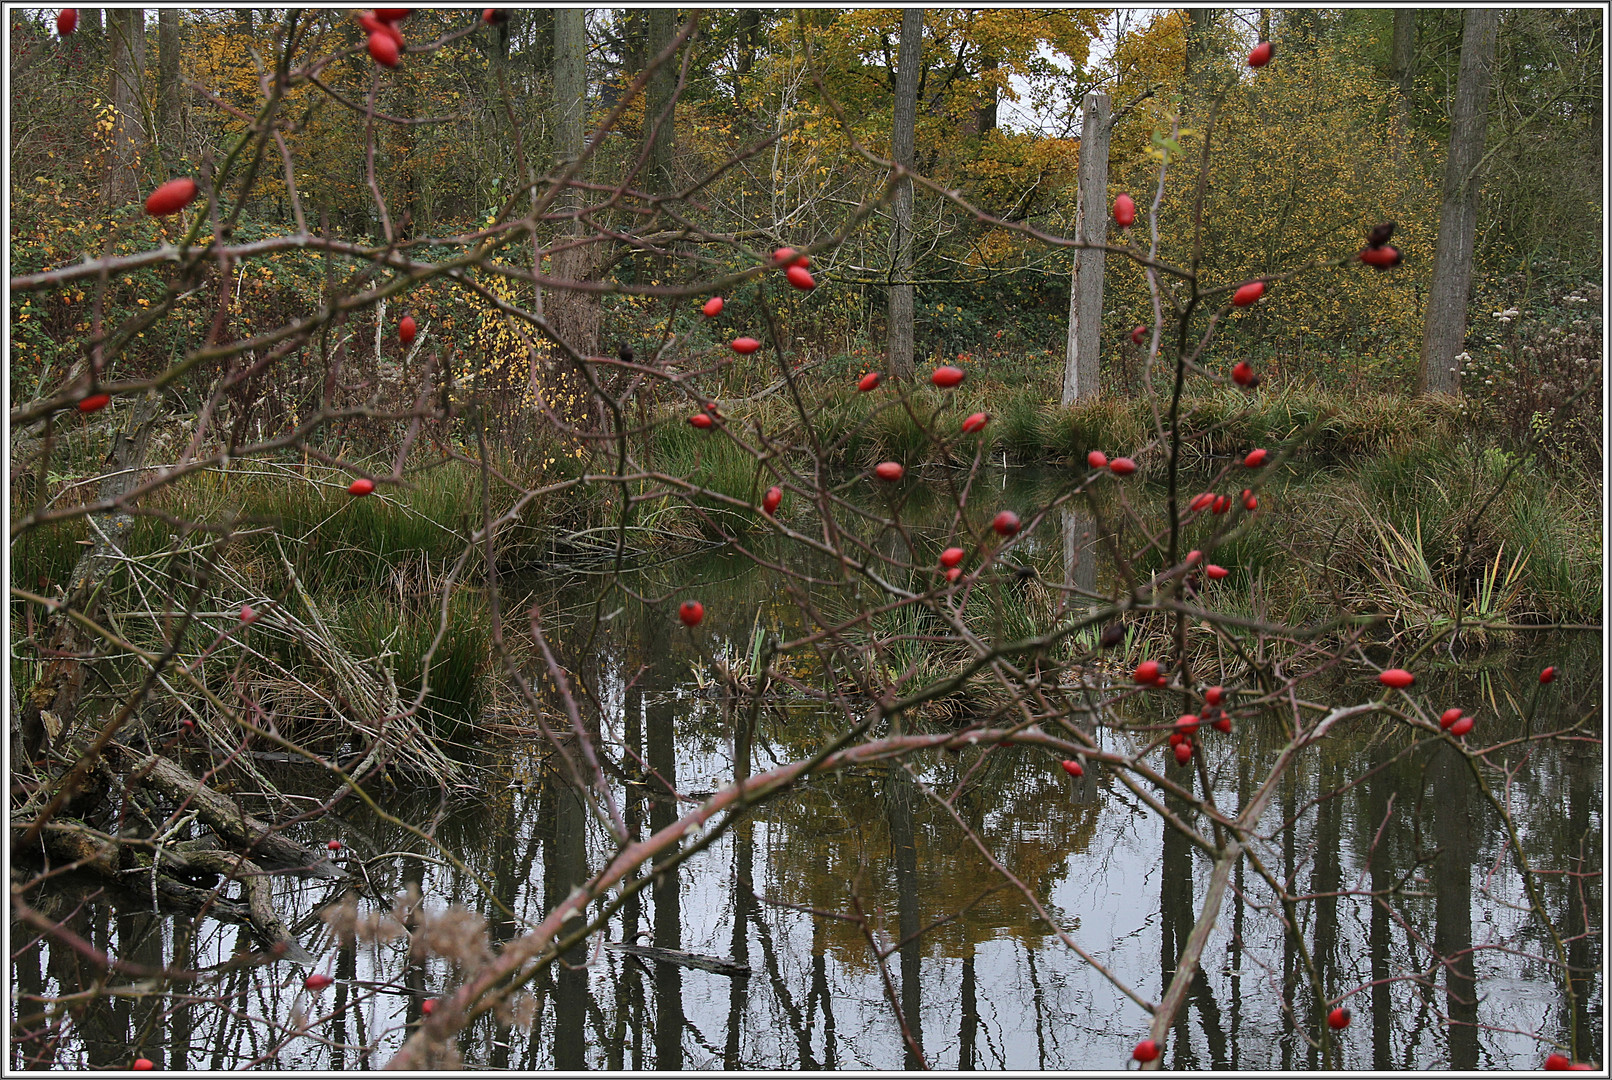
(982, 982)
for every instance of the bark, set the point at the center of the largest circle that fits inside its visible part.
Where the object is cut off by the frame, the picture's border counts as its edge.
(126, 29)
(1086, 281)
(1447, 296)
(170, 137)
(1402, 65)
(909, 65)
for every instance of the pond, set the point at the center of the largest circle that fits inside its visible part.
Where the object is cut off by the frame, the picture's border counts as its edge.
(852, 899)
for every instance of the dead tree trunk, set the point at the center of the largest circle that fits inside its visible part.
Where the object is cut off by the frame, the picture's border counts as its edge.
(1458, 217)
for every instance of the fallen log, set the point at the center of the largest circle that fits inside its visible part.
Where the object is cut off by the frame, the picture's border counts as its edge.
(109, 860)
(221, 814)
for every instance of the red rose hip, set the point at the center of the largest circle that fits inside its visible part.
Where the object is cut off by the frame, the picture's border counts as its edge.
(1146, 1050)
(1339, 1018)
(801, 278)
(976, 423)
(1255, 459)
(94, 403)
(952, 556)
(143, 1065)
(406, 329)
(362, 486)
(1097, 459)
(889, 471)
(317, 982)
(947, 376)
(712, 307)
(1138, 335)
(1261, 55)
(1215, 571)
(1461, 726)
(690, 612)
(745, 346)
(1247, 294)
(1122, 466)
(1072, 767)
(1548, 675)
(701, 420)
(1146, 672)
(1383, 258)
(383, 49)
(172, 197)
(1214, 695)
(66, 21)
(1450, 716)
(1398, 678)
(868, 381)
(770, 501)
(1183, 751)
(1124, 211)
(1006, 523)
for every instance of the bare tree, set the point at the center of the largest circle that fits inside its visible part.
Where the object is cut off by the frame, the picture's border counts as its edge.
(1458, 216)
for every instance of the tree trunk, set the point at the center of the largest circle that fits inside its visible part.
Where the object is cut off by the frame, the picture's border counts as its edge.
(909, 64)
(1458, 217)
(170, 136)
(1086, 280)
(1200, 21)
(574, 315)
(1402, 65)
(126, 29)
(985, 118)
(660, 105)
(749, 36)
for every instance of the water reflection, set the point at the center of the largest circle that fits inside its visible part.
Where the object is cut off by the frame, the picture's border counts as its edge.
(985, 986)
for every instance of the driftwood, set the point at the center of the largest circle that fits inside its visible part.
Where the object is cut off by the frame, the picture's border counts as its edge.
(685, 959)
(222, 815)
